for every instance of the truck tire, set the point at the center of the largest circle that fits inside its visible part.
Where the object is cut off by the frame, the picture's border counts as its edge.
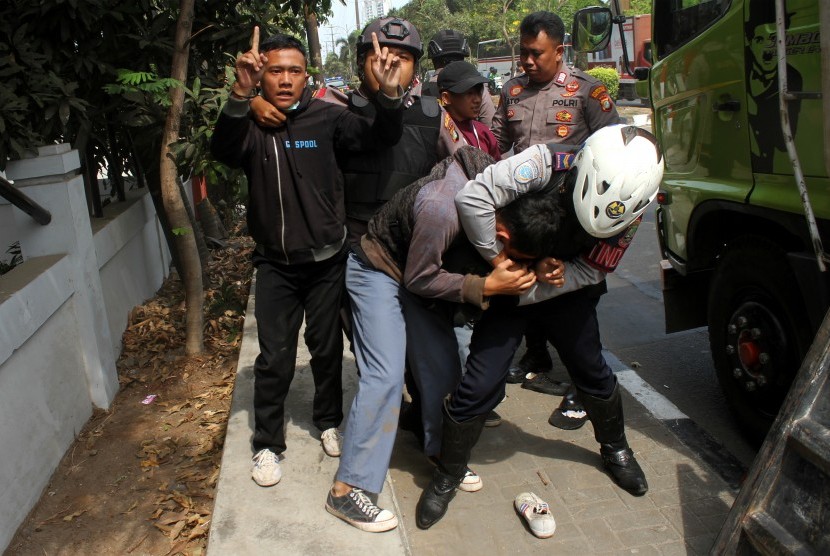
(757, 331)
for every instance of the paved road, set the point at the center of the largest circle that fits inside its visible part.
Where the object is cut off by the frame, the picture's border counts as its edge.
(679, 365)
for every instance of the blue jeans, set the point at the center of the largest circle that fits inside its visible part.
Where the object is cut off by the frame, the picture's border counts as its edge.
(380, 349)
(387, 318)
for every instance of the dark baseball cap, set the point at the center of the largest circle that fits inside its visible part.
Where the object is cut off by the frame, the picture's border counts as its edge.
(459, 77)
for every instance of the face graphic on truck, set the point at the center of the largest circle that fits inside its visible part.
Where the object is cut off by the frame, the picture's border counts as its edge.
(766, 136)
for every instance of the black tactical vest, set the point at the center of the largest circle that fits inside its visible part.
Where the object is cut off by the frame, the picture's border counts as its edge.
(373, 177)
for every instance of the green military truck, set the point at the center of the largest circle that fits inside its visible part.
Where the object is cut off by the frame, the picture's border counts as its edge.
(741, 240)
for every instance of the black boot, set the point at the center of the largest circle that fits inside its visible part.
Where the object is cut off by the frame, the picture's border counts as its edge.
(570, 415)
(457, 441)
(609, 430)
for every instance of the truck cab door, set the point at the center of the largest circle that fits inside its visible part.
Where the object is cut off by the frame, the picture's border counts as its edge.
(698, 91)
(771, 166)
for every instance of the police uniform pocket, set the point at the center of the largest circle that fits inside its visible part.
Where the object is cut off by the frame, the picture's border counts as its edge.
(563, 121)
(515, 113)
(515, 117)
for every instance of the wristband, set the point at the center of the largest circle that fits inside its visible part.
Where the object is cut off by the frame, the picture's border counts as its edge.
(236, 95)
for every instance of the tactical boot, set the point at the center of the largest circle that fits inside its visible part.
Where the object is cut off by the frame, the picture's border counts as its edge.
(609, 430)
(457, 441)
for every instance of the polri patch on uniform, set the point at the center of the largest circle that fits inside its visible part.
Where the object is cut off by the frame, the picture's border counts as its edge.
(598, 92)
(605, 103)
(450, 125)
(562, 130)
(614, 210)
(561, 77)
(564, 116)
(510, 113)
(516, 90)
(572, 87)
(525, 172)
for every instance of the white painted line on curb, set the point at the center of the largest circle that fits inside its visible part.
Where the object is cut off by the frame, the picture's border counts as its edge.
(655, 402)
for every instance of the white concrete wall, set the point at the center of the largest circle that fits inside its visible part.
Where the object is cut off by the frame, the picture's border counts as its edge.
(6, 229)
(133, 259)
(62, 314)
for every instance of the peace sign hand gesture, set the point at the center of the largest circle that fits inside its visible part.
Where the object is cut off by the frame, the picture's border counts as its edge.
(250, 67)
(386, 68)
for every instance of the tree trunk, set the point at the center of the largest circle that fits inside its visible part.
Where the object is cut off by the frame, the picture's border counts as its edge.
(314, 53)
(190, 267)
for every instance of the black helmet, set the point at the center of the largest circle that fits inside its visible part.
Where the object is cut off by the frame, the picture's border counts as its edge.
(391, 31)
(448, 42)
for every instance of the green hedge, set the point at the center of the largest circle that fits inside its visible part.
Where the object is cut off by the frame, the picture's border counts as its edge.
(609, 77)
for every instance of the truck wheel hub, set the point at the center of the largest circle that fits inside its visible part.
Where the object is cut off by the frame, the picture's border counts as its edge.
(755, 341)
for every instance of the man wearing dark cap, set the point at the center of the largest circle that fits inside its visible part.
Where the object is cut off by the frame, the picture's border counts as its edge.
(461, 88)
(445, 47)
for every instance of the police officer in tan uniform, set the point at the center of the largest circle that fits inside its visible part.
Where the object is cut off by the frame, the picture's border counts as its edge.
(549, 103)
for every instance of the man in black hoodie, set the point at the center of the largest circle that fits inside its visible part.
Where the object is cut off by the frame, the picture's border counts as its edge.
(296, 215)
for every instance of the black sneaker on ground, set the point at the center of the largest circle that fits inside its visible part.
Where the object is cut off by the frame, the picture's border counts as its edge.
(516, 374)
(546, 385)
(570, 415)
(358, 510)
(536, 360)
(493, 419)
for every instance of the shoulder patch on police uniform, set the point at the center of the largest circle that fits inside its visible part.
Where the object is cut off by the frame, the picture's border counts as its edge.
(516, 90)
(561, 77)
(607, 253)
(599, 91)
(564, 116)
(605, 102)
(449, 124)
(563, 161)
(572, 87)
(526, 171)
(562, 131)
(625, 240)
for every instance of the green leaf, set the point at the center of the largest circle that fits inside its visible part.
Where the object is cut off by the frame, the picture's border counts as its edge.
(181, 231)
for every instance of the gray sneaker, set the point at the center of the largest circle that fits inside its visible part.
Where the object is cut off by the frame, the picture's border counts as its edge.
(358, 510)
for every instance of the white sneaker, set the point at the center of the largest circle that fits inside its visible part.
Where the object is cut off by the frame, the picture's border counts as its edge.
(471, 482)
(266, 468)
(536, 513)
(331, 441)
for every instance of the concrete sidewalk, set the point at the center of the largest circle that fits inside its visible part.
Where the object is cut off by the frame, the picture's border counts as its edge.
(681, 514)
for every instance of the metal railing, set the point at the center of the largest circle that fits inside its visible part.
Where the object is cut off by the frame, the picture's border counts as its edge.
(24, 203)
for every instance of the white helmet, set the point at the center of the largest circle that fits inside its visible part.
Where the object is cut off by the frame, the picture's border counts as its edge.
(618, 171)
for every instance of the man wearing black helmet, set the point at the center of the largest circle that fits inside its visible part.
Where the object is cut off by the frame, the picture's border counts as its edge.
(449, 45)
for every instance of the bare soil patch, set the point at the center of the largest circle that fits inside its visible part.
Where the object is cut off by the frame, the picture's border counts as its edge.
(140, 477)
